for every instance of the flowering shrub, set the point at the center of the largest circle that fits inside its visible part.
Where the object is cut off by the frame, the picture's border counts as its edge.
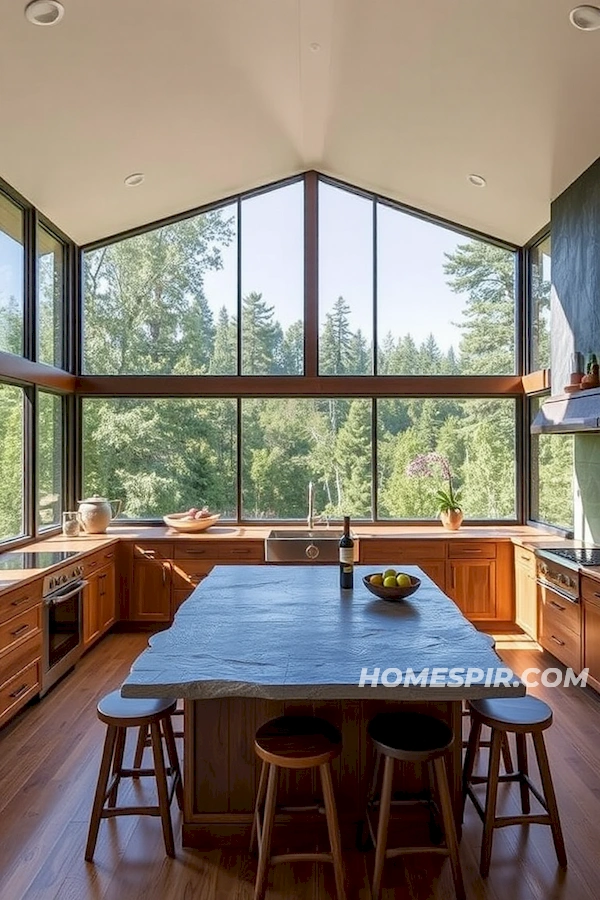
(426, 464)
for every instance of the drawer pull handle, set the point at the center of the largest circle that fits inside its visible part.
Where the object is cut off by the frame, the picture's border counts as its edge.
(19, 691)
(557, 605)
(148, 554)
(201, 552)
(108, 555)
(557, 641)
(240, 550)
(20, 630)
(19, 600)
(596, 594)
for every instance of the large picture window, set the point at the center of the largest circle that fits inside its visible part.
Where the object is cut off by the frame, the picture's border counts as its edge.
(49, 459)
(12, 274)
(12, 462)
(552, 476)
(540, 261)
(161, 456)
(477, 437)
(51, 330)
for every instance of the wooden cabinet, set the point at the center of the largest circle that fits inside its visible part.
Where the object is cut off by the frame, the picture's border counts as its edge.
(99, 604)
(471, 583)
(150, 599)
(590, 598)
(526, 606)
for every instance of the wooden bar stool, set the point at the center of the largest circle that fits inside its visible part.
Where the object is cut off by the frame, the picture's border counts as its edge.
(411, 737)
(505, 748)
(295, 742)
(522, 716)
(119, 714)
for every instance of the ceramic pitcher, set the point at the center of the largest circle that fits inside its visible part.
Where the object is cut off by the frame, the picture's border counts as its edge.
(97, 512)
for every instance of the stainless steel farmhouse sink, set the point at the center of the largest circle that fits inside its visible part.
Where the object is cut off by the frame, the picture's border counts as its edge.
(303, 545)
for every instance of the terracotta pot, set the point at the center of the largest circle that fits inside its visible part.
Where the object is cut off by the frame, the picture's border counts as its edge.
(452, 519)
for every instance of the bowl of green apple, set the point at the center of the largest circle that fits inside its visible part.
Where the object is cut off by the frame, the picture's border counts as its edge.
(392, 584)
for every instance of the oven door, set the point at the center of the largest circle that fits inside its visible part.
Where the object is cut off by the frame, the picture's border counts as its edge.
(560, 624)
(63, 632)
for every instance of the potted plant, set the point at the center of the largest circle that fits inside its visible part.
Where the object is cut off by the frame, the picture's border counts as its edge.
(448, 501)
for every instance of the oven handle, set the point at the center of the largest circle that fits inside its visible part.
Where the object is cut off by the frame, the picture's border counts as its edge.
(56, 599)
(557, 591)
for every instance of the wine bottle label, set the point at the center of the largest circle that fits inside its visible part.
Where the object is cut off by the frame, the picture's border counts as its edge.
(346, 555)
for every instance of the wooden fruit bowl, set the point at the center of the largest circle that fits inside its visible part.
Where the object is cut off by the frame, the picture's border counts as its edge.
(392, 593)
(191, 526)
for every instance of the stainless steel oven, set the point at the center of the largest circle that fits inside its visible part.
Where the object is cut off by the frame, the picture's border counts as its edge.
(62, 626)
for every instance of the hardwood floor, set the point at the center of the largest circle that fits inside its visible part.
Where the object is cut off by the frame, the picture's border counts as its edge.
(49, 761)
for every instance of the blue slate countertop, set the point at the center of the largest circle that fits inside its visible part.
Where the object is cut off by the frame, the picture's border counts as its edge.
(289, 632)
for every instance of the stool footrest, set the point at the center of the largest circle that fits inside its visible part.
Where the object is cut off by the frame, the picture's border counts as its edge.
(391, 852)
(111, 812)
(300, 857)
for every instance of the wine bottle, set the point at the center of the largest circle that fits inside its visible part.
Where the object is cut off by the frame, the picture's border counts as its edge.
(346, 557)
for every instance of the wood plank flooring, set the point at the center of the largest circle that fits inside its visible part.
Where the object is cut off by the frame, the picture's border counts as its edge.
(49, 761)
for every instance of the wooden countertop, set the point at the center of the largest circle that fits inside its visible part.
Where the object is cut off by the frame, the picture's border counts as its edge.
(289, 632)
(524, 535)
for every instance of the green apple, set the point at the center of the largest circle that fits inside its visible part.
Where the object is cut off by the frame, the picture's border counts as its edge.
(389, 573)
(390, 581)
(403, 580)
(376, 579)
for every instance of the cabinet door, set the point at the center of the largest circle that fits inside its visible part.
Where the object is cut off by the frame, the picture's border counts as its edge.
(526, 601)
(91, 611)
(151, 594)
(591, 641)
(106, 582)
(472, 585)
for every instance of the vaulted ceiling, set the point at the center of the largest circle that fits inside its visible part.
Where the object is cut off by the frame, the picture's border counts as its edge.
(211, 97)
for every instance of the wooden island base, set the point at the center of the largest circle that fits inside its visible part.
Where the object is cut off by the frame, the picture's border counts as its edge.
(221, 768)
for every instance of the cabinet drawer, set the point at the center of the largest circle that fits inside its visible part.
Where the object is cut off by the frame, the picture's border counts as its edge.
(221, 551)
(22, 687)
(525, 560)
(471, 549)
(153, 550)
(20, 628)
(17, 601)
(590, 591)
(187, 573)
(394, 550)
(561, 642)
(20, 657)
(559, 612)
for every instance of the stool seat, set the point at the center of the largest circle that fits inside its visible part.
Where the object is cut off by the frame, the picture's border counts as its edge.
(130, 709)
(513, 713)
(412, 737)
(298, 742)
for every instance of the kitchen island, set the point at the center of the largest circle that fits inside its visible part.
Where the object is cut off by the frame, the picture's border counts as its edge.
(256, 642)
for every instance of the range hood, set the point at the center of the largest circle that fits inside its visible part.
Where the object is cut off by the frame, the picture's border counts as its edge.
(569, 413)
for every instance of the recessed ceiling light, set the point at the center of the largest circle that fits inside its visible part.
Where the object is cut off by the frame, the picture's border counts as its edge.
(586, 18)
(44, 12)
(477, 180)
(135, 179)
(315, 47)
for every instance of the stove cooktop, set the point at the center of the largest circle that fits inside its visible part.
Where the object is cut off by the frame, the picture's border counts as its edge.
(583, 556)
(39, 560)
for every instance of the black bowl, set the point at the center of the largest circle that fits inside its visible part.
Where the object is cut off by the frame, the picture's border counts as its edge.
(392, 593)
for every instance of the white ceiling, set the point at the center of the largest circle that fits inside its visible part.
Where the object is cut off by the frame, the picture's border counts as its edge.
(210, 97)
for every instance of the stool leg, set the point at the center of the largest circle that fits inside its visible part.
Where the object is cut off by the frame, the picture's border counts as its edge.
(470, 755)
(544, 767)
(260, 799)
(264, 844)
(523, 767)
(162, 788)
(117, 764)
(506, 754)
(107, 754)
(490, 802)
(139, 748)
(439, 766)
(385, 802)
(333, 828)
(173, 759)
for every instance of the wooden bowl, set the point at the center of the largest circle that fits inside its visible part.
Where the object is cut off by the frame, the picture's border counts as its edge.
(191, 526)
(392, 593)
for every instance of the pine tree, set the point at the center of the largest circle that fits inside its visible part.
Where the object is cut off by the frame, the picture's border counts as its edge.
(335, 353)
